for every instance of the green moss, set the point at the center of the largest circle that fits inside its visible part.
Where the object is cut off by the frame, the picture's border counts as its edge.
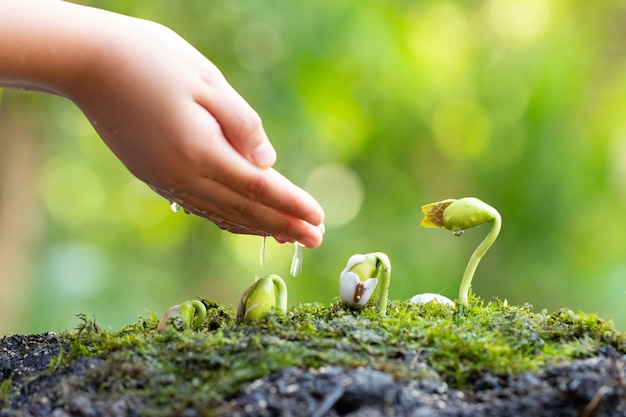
(173, 370)
(6, 389)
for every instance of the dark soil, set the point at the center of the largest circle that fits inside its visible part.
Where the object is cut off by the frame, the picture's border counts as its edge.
(593, 386)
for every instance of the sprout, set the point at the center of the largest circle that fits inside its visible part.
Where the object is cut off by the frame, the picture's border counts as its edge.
(430, 297)
(260, 298)
(457, 216)
(188, 314)
(360, 277)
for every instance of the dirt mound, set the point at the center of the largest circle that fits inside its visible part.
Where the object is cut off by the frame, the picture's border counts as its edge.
(590, 387)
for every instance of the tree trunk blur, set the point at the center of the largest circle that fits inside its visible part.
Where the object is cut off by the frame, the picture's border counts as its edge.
(20, 209)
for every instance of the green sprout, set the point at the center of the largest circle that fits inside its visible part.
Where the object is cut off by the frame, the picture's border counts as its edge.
(457, 216)
(428, 297)
(360, 277)
(261, 297)
(190, 314)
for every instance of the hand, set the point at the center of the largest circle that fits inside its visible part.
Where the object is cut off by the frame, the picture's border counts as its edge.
(174, 121)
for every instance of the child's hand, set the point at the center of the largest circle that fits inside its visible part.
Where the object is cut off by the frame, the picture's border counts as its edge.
(173, 120)
(176, 123)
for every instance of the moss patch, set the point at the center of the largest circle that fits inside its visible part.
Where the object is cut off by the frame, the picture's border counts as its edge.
(177, 370)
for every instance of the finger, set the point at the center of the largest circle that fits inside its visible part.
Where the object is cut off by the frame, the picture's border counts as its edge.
(234, 212)
(240, 124)
(268, 187)
(217, 179)
(221, 162)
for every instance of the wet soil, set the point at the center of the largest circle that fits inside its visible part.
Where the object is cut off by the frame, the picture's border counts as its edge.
(596, 386)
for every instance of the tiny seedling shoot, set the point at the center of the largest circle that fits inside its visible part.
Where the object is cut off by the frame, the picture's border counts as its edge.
(360, 277)
(457, 216)
(191, 313)
(261, 297)
(428, 297)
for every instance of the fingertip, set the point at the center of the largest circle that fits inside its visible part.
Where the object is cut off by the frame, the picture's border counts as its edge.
(314, 239)
(314, 215)
(264, 156)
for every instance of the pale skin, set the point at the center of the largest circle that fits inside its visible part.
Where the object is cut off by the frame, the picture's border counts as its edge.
(163, 109)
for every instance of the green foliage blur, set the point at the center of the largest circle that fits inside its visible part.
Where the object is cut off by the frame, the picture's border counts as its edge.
(376, 108)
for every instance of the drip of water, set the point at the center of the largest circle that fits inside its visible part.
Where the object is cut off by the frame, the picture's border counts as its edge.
(262, 254)
(296, 261)
(458, 233)
(175, 207)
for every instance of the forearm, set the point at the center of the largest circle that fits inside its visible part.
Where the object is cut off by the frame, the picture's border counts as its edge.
(49, 45)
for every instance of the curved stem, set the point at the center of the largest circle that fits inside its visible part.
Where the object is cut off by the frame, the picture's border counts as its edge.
(281, 291)
(476, 257)
(383, 271)
(191, 309)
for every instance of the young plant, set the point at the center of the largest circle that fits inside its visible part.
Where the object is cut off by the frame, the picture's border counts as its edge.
(360, 277)
(189, 314)
(428, 297)
(261, 297)
(457, 216)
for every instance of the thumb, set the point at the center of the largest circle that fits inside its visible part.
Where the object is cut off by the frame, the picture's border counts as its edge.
(242, 126)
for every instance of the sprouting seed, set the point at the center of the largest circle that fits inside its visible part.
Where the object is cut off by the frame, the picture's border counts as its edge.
(360, 277)
(458, 215)
(265, 294)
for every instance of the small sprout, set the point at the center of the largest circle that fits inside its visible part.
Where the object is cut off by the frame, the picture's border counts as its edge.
(352, 290)
(428, 297)
(457, 216)
(360, 277)
(261, 297)
(190, 314)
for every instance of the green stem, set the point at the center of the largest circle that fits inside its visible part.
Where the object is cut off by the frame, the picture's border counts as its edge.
(281, 290)
(191, 309)
(476, 257)
(383, 271)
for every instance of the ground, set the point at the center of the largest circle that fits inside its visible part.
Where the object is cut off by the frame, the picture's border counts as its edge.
(315, 360)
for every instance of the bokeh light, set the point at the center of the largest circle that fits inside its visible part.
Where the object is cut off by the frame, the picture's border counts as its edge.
(519, 20)
(339, 190)
(71, 191)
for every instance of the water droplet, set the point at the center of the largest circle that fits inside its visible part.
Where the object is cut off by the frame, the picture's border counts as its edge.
(458, 232)
(262, 254)
(175, 207)
(296, 261)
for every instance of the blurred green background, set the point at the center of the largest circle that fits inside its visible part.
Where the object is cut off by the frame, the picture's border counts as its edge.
(376, 108)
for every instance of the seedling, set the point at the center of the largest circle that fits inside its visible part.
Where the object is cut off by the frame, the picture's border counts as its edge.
(457, 216)
(189, 314)
(261, 297)
(360, 277)
(427, 297)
